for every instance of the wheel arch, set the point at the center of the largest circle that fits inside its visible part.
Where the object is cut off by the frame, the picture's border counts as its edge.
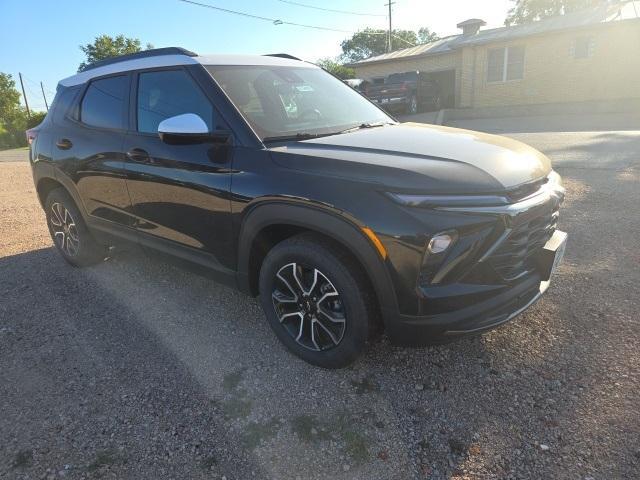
(273, 221)
(45, 186)
(48, 182)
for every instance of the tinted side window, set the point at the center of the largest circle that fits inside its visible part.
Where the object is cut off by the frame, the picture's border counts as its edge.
(104, 103)
(166, 94)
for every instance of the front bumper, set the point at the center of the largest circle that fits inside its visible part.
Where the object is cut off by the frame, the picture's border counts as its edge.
(392, 103)
(484, 315)
(411, 330)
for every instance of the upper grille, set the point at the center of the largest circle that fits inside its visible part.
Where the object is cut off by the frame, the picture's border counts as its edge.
(513, 257)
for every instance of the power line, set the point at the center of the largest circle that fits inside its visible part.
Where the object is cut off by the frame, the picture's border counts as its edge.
(275, 21)
(347, 12)
(403, 40)
(37, 85)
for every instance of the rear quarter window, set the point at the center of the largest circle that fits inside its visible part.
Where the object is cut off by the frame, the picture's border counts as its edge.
(62, 103)
(103, 104)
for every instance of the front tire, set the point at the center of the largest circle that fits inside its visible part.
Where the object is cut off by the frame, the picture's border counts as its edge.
(317, 301)
(68, 231)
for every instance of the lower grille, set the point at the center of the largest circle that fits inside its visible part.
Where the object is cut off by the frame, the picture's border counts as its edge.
(514, 256)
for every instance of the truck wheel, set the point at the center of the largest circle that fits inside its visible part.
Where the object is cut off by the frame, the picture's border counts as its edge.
(317, 301)
(69, 233)
(413, 105)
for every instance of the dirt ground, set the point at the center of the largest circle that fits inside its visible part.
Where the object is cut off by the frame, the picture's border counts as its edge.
(136, 369)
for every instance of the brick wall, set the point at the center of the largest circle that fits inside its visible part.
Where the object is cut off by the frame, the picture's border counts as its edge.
(427, 64)
(553, 75)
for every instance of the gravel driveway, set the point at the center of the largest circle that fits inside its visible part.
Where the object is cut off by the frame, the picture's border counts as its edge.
(136, 369)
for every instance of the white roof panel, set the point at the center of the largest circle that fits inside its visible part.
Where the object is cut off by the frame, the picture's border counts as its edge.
(170, 60)
(222, 59)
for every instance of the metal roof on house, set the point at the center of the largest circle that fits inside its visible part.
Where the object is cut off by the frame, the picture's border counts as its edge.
(608, 13)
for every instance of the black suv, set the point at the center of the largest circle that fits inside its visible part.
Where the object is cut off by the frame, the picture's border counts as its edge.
(275, 177)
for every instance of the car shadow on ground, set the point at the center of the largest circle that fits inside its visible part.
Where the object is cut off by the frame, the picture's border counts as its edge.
(134, 343)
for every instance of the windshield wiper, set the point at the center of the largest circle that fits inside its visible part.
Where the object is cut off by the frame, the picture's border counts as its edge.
(365, 125)
(295, 136)
(307, 135)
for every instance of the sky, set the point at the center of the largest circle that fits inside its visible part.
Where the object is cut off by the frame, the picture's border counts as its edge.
(41, 38)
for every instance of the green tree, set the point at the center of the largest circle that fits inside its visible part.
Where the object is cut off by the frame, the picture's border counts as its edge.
(427, 36)
(370, 42)
(9, 97)
(105, 46)
(527, 11)
(333, 66)
(13, 118)
(373, 41)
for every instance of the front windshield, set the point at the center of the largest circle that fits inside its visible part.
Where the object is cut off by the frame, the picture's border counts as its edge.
(280, 101)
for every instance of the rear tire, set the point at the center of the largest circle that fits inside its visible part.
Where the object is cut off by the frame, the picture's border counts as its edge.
(317, 301)
(69, 233)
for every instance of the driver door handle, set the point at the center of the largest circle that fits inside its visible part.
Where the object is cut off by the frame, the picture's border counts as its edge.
(138, 155)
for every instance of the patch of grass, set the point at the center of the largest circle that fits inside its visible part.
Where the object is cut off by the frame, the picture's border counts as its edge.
(237, 407)
(22, 459)
(308, 428)
(366, 385)
(105, 458)
(255, 433)
(356, 445)
(311, 430)
(231, 380)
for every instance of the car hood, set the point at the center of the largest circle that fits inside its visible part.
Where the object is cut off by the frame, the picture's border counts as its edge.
(419, 157)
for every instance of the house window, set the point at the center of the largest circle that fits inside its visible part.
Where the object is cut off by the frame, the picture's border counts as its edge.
(583, 47)
(515, 63)
(505, 64)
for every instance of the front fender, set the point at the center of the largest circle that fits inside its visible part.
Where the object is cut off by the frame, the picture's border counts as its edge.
(322, 219)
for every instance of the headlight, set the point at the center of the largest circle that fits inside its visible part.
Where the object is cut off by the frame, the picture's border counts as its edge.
(435, 254)
(448, 200)
(439, 243)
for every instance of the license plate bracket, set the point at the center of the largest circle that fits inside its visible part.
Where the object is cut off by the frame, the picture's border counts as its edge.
(551, 254)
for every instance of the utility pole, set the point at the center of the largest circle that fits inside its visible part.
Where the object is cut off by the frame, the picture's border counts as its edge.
(44, 96)
(389, 47)
(24, 95)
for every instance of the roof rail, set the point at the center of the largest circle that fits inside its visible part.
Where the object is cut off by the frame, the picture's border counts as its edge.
(282, 55)
(154, 52)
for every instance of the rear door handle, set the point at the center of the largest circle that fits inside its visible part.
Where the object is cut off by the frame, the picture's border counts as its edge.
(64, 144)
(138, 155)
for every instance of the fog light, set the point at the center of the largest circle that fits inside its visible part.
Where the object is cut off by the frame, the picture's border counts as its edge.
(440, 243)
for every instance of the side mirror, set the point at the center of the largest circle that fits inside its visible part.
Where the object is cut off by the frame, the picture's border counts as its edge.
(189, 128)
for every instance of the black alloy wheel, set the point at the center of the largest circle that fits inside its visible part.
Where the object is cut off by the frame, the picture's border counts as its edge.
(309, 307)
(318, 301)
(69, 232)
